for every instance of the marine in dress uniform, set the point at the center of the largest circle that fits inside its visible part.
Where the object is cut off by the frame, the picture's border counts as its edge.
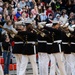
(56, 47)
(17, 48)
(42, 53)
(53, 67)
(66, 46)
(72, 55)
(29, 50)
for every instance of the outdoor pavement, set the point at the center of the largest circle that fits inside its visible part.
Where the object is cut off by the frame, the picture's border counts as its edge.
(29, 70)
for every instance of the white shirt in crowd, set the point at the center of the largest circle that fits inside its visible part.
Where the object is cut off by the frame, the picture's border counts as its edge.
(22, 4)
(63, 20)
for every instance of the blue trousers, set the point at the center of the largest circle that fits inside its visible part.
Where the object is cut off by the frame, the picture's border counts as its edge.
(6, 56)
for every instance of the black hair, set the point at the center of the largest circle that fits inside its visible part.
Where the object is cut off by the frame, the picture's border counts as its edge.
(3, 37)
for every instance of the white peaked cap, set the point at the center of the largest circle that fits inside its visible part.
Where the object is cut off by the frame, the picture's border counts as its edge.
(14, 30)
(66, 24)
(49, 25)
(70, 28)
(73, 26)
(42, 23)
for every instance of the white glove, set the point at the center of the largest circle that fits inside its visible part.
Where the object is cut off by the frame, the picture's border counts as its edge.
(49, 25)
(70, 28)
(4, 32)
(66, 25)
(73, 26)
(58, 41)
(40, 26)
(14, 30)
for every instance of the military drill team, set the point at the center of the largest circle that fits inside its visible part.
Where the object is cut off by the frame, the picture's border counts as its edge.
(54, 44)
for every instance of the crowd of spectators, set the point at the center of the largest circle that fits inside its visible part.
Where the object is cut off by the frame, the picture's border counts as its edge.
(37, 11)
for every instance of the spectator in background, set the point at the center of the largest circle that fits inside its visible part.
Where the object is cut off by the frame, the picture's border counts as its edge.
(5, 12)
(17, 7)
(24, 17)
(63, 4)
(13, 16)
(49, 19)
(5, 9)
(34, 11)
(37, 19)
(57, 12)
(49, 11)
(32, 4)
(1, 3)
(46, 1)
(58, 5)
(39, 9)
(1, 10)
(2, 21)
(6, 46)
(63, 18)
(64, 11)
(26, 11)
(7, 17)
(6, 4)
(71, 16)
(1, 6)
(23, 9)
(18, 14)
(53, 4)
(13, 4)
(7, 25)
(6, 53)
(43, 17)
(16, 2)
(73, 6)
(27, 3)
(57, 18)
(72, 22)
(22, 3)
(30, 17)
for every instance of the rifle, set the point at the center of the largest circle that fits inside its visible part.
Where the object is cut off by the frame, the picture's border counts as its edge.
(11, 33)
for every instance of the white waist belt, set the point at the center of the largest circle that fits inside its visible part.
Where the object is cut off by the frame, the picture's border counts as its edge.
(31, 42)
(18, 42)
(64, 42)
(42, 41)
(58, 41)
(49, 43)
(72, 43)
